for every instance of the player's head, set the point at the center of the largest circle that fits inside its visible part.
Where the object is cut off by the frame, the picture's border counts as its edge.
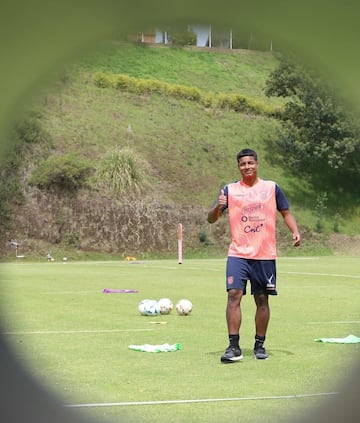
(246, 152)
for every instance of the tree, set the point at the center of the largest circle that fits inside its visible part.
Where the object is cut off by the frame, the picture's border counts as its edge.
(320, 137)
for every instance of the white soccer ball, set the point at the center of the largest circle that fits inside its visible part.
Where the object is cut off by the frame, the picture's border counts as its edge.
(152, 308)
(184, 307)
(143, 306)
(165, 305)
(148, 307)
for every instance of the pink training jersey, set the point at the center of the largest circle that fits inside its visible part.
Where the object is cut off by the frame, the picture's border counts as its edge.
(252, 215)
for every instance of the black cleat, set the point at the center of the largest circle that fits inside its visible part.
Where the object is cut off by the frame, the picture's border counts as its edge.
(260, 353)
(231, 355)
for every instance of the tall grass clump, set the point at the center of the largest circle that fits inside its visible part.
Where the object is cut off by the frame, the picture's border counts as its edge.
(320, 208)
(122, 171)
(102, 80)
(243, 104)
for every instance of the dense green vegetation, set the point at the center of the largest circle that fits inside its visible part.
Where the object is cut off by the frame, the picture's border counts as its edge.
(155, 153)
(321, 136)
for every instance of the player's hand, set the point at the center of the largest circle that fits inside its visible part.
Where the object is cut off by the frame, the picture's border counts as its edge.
(222, 199)
(296, 239)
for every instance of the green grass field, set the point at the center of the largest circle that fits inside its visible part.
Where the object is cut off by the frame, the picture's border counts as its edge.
(74, 338)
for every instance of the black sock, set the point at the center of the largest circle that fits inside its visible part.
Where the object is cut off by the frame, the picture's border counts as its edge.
(234, 340)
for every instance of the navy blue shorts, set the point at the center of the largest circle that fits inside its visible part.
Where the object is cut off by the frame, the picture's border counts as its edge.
(260, 273)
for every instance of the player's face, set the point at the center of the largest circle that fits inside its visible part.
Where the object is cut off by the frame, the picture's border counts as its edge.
(248, 166)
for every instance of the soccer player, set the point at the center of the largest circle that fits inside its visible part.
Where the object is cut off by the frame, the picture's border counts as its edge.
(252, 205)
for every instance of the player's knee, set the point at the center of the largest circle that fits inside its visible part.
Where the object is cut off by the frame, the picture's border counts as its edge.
(234, 297)
(261, 300)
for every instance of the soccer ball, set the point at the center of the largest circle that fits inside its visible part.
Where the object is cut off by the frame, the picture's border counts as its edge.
(184, 307)
(165, 305)
(142, 306)
(148, 308)
(152, 308)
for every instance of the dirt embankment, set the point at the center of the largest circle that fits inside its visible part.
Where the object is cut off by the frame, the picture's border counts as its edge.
(345, 245)
(90, 222)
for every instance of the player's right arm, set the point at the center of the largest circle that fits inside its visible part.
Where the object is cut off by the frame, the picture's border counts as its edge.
(216, 211)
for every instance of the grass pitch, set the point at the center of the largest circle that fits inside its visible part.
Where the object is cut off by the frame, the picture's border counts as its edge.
(74, 338)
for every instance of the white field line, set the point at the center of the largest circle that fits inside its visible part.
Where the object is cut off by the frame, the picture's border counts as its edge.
(59, 332)
(71, 292)
(189, 401)
(298, 258)
(322, 274)
(335, 322)
(104, 331)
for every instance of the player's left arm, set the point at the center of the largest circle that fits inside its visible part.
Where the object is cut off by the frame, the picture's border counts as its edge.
(290, 222)
(282, 205)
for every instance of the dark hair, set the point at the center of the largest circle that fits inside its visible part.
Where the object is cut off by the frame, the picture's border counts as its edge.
(246, 152)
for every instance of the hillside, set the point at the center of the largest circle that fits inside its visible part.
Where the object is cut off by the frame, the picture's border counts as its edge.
(186, 150)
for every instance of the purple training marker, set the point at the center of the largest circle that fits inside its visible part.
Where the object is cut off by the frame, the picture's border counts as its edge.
(119, 291)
